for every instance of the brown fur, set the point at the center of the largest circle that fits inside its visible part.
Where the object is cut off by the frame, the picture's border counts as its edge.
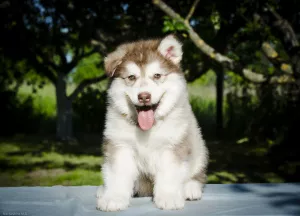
(108, 150)
(141, 53)
(183, 150)
(201, 177)
(143, 186)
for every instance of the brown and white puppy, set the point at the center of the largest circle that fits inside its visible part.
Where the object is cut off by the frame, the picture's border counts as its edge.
(153, 144)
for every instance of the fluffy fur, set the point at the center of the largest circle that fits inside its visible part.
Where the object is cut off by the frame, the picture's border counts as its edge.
(167, 161)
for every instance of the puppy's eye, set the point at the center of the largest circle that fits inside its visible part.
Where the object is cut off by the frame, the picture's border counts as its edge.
(131, 78)
(157, 76)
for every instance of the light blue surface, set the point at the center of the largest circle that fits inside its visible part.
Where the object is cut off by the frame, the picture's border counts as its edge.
(226, 199)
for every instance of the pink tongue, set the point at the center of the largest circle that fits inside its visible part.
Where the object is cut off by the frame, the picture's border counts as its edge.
(146, 119)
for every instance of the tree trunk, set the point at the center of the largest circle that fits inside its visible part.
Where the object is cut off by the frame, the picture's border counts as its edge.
(64, 110)
(219, 108)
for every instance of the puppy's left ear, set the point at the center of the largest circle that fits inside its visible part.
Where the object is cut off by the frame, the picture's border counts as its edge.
(171, 49)
(114, 59)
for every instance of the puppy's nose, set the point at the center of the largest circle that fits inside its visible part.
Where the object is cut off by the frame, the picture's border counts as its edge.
(144, 97)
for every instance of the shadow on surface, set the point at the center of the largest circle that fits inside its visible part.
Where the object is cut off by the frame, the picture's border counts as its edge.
(284, 197)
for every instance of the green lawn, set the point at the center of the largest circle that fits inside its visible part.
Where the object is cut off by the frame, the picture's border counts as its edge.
(40, 164)
(45, 163)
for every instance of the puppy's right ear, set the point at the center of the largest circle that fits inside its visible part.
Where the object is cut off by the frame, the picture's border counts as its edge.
(171, 49)
(113, 60)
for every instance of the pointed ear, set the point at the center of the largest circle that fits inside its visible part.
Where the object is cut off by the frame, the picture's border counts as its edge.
(171, 49)
(113, 60)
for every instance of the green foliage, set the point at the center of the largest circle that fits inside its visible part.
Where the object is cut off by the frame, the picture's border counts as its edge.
(88, 67)
(90, 109)
(204, 110)
(19, 117)
(44, 102)
(215, 19)
(233, 78)
(208, 79)
(223, 177)
(171, 25)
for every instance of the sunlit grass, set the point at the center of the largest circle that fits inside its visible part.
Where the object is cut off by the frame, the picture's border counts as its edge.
(23, 164)
(50, 177)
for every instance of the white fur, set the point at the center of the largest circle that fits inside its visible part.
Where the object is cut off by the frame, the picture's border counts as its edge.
(132, 69)
(193, 190)
(119, 181)
(175, 54)
(170, 177)
(144, 83)
(151, 151)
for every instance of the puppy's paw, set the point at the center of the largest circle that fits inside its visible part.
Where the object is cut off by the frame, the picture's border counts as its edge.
(169, 201)
(193, 190)
(111, 203)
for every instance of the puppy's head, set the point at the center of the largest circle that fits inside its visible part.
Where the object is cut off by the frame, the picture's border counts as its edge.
(146, 79)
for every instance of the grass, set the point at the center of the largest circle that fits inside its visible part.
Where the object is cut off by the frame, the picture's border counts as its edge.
(235, 162)
(24, 163)
(37, 163)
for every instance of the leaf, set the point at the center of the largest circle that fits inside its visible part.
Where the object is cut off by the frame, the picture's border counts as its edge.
(180, 26)
(165, 29)
(271, 70)
(243, 140)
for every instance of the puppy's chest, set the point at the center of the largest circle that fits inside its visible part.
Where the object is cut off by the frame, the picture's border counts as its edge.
(148, 158)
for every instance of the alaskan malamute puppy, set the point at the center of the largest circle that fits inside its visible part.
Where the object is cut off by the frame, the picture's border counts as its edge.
(152, 143)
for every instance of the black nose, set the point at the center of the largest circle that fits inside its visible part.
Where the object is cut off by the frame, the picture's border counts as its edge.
(144, 97)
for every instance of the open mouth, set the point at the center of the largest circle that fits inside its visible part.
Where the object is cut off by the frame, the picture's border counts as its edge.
(146, 107)
(146, 116)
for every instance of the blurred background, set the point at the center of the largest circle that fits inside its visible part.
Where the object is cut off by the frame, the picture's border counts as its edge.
(241, 60)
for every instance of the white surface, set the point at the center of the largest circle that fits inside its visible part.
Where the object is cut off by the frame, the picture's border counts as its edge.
(229, 199)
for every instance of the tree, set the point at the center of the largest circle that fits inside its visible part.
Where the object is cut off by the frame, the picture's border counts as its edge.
(54, 36)
(236, 17)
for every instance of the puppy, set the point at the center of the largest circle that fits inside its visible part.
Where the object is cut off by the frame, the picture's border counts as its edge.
(153, 145)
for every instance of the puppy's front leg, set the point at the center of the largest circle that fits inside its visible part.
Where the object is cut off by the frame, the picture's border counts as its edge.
(168, 187)
(119, 173)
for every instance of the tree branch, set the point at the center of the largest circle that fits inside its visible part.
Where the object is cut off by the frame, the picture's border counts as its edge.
(101, 48)
(208, 50)
(77, 58)
(84, 84)
(273, 57)
(46, 60)
(61, 55)
(69, 66)
(192, 10)
(4, 4)
(285, 27)
(289, 40)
